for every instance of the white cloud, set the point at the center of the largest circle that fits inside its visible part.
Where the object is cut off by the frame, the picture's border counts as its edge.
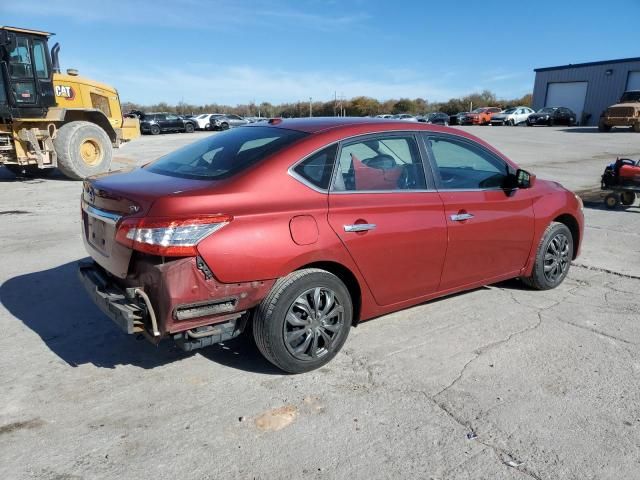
(232, 84)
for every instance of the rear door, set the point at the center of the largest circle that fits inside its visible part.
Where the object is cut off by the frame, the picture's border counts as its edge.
(490, 228)
(388, 216)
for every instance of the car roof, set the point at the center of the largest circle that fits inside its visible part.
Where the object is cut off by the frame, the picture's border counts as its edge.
(322, 124)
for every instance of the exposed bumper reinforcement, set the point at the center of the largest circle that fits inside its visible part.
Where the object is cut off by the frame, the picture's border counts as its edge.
(111, 300)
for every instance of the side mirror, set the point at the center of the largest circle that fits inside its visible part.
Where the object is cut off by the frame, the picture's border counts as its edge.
(524, 179)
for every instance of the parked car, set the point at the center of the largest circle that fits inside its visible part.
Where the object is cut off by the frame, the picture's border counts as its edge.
(457, 118)
(384, 115)
(437, 118)
(512, 116)
(203, 121)
(405, 116)
(625, 113)
(226, 121)
(552, 116)
(480, 116)
(155, 123)
(282, 224)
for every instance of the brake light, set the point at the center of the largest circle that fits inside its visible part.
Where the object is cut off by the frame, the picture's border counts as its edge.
(168, 237)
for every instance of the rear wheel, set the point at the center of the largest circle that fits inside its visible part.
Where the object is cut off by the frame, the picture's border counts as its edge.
(189, 128)
(611, 201)
(553, 258)
(304, 321)
(83, 149)
(224, 126)
(155, 130)
(636, 127)
(627, 198)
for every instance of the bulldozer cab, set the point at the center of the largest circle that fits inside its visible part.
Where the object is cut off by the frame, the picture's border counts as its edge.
(26, 73)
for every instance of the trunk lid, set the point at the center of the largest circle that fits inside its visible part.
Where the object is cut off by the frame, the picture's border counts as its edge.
(106, 199)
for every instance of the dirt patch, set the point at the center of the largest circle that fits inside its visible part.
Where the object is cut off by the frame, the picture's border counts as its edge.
(276, 419)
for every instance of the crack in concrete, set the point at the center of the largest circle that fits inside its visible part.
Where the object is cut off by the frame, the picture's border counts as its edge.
(597, 332)
(485, 348)
(605, 270)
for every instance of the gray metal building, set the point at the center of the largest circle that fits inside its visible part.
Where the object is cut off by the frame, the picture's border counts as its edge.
(586, 88)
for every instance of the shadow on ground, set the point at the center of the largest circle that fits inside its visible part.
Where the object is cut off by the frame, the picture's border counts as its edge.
(54, 305)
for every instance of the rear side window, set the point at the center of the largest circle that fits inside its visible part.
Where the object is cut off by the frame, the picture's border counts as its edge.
(225, 154)
(382, 163)
(317, 169)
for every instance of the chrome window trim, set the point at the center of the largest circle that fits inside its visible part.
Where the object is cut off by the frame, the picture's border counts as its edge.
(107, 217)
(414, 132)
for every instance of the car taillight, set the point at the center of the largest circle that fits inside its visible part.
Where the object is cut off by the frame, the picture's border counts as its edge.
(168, 237)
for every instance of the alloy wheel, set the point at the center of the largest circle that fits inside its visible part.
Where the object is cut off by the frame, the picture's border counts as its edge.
(556, 258)
(313, 323)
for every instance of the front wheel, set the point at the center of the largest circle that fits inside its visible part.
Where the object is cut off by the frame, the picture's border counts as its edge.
(189, 128)
(155, 130)
(553, 258)
(627, 198)
(304, 321)
(224, 126)
(603, 127)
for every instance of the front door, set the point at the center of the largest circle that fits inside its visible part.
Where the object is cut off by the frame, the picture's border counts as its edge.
(388, 218)
(490, 228)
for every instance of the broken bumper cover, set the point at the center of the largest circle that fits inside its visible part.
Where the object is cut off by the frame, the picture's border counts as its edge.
(113, 302)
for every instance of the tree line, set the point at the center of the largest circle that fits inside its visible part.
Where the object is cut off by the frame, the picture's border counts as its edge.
(358, 106)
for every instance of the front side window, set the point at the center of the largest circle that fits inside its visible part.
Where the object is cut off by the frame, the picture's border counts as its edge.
(383, 163)
(172, 117)
(465, 166)
(317, 168)
(223, 155)
(40, 59)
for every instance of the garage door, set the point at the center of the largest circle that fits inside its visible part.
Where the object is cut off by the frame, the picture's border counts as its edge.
(633, 81)
(567, 94)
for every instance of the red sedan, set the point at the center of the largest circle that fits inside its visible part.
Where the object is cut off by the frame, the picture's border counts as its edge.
(306, 227)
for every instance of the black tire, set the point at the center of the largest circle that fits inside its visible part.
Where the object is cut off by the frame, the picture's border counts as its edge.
(29, 171)
(611, 201)
(636, 127)
(189, 128)
(627, 198)
(83, 149)
(556, 247)
(154, 130)
(271, 324)
(551, 122)
(207, 127)
(224, 126)
(603, 127)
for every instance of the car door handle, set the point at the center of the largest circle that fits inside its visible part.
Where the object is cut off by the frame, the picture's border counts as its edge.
(359, 227)
(461, 217)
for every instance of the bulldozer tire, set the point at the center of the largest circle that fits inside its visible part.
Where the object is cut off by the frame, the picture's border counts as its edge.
(83, 149)
(29, 171)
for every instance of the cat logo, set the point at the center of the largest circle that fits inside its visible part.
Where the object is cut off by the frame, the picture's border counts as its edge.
(65, 92)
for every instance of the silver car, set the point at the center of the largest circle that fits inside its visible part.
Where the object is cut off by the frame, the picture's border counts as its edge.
(511, 116)
(226, 121)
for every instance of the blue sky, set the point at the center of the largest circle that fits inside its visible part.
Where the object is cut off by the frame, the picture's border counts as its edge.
(235, 51)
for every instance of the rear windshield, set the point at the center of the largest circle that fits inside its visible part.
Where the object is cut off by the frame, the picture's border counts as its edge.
(224, 154)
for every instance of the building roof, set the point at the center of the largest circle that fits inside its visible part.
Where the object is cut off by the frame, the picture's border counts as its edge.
(588, 64)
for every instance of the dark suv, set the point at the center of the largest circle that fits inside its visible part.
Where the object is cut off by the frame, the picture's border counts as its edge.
(155, 123)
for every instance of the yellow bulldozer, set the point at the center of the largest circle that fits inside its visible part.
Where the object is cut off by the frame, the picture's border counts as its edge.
(53, 120)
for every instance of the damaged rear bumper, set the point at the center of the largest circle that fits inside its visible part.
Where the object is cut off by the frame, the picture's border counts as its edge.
(178, 299)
